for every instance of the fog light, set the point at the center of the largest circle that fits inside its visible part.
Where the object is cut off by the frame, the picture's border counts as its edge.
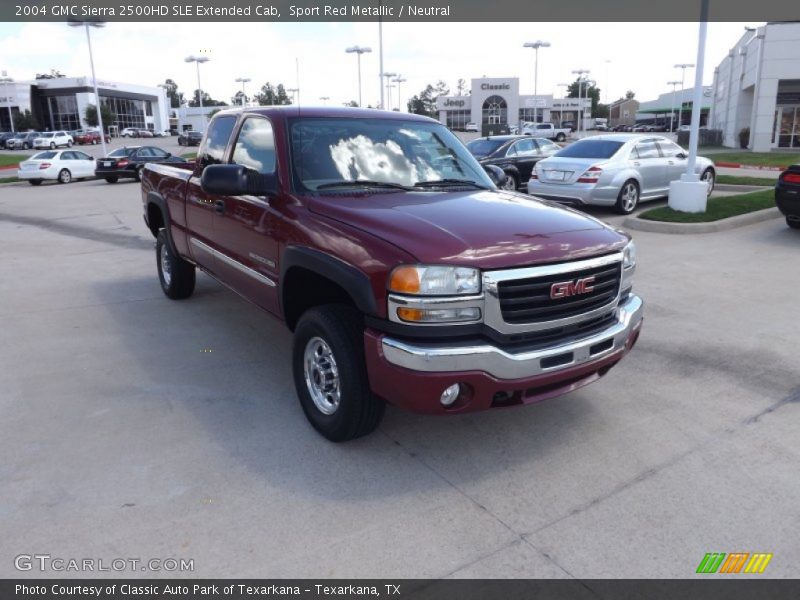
(450, 394)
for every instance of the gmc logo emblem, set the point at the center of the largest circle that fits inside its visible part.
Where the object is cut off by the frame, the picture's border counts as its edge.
(565, 289)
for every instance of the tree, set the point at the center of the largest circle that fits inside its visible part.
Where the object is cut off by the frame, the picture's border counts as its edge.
(270, 95)
(213, 112)
(424, 103)
(630, 94)
(352, 103)
(90, 116)
(461, 85)
(207, 100)
(590, 91)
(601, 111)
(53, 74)
(237, 98)
(175, 97)
(24, 121)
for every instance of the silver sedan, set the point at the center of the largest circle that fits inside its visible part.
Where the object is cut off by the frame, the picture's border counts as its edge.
(618, 170)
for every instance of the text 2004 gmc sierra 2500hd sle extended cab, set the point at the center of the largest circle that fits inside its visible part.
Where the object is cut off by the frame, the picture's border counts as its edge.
(406, 275)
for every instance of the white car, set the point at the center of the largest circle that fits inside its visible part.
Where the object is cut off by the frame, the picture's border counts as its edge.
(60, 165)
(471, 127)
(129, 132)
(53, 139)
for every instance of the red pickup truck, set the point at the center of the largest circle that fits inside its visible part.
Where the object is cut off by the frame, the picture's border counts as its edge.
(405, 274)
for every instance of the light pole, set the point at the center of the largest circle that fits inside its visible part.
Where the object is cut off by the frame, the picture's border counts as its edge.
(389, 94)
(197, 60)
(293, 92)
(86, 25)
(358, 50)
(389, 89)
(608, 79)
(580, 73)
(674, 84)
(561, 112)
(682, 67)
(6, 80)
(536, 45)
(398, 80)
(243, 81)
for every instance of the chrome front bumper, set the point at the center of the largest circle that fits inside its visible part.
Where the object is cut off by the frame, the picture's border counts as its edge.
(435, 358)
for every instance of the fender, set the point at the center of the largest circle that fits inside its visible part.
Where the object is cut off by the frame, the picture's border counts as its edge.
(354, 282)
(158, 200)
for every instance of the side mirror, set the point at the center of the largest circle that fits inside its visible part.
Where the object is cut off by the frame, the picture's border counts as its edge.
(496, 174)
(680, 155)
(236, 180)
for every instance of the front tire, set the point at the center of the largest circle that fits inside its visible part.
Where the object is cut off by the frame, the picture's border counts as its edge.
(510, 183)
(177, 276)
(112, 179)
(52, 146)
(69, 144)
(330, 373)
(64, 176)
(561, 137)
(628, 198)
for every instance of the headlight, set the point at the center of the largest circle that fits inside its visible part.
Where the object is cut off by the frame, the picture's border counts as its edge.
(435, 280)
(629, 256)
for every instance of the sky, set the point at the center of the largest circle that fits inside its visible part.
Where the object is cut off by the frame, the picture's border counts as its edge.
(311, 56)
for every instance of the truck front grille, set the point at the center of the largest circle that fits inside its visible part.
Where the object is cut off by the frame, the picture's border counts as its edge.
(529, 300)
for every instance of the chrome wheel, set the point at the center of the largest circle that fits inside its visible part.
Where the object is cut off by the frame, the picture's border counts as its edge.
(630, 196)
(321, 375)
(708, 177)
(510, 183)
(166, 267)
(65, 176)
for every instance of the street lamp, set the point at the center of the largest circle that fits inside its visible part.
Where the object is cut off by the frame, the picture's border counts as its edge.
(389, 89)
(359, 50)
(389, 94)
(325, 99)
(682, 67)
(536, 45)
(294, 91)
(243, 81)
(86, 25)
(398, 80)
(581, 73)
(674, 84)
(6, 80)
(197, 60)
(561, 111)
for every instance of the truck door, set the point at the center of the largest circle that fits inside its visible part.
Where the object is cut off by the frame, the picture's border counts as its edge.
(200, 206)
(245, 226)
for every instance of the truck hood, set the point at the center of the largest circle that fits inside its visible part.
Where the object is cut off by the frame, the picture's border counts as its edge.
(485, 229)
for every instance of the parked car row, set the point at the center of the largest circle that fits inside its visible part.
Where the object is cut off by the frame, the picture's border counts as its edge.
(88, 136)
(516, 155)
(65, 166)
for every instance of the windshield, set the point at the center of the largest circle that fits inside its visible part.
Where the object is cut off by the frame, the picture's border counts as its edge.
(328, 151)
(122, 152)
(48, 135)
(590, 149)
(43, 155)
(484, 147)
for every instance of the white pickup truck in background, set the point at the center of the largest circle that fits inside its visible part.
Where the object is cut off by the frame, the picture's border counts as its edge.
(545, 130)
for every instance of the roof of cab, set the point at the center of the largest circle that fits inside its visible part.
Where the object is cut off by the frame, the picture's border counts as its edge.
(289, 111)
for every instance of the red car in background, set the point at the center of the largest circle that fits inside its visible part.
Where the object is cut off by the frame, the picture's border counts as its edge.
(89, 137)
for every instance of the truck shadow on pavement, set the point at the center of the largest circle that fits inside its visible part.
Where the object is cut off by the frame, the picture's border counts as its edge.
(219, 370)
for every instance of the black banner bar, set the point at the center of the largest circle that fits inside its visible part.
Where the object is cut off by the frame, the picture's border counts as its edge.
(703, 588)
(395, 10)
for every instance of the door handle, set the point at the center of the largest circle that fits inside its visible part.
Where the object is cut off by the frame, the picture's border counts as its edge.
(672, 162)
(219, 207)
(636, 163)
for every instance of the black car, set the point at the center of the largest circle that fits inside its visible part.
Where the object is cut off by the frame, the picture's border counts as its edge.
(515, 154)
(5, 136)
(190, 138)
(127, 161)
(787, 195)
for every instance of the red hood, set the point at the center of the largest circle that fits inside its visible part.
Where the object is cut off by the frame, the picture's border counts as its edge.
(490, 230)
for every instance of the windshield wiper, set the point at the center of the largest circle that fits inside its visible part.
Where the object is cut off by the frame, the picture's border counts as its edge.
(450, 183)
(363, 183)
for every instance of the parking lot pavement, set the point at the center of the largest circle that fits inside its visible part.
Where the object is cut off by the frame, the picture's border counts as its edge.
(134, 426)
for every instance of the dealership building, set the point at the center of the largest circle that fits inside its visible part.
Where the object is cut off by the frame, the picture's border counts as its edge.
(497, 101)
(60, 103)
(757, 86)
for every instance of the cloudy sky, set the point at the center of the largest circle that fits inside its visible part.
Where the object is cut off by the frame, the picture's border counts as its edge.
(641, 55)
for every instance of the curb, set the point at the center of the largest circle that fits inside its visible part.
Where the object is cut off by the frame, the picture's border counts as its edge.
(690, 228)
(735, 187)
(727, 165)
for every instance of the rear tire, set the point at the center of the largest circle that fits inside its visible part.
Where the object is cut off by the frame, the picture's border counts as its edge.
(137, 175)
(35, 181)
(52, 146)
(64, 176)
(628, 198)
(112, 179)
(793, 224)
(177, 276)
(330, 373)
(710, 178)
(561, 137)
(511, 183)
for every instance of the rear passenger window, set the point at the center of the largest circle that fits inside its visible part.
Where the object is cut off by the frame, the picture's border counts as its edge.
(647, 149)
(213, 148)
(255, 146)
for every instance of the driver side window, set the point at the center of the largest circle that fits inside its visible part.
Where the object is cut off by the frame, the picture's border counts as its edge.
(255, 146)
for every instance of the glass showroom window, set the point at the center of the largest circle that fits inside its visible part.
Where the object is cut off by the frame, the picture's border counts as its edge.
(529, 115)
(495, 111)
(458, 119)
(127, 112)
(61, 112)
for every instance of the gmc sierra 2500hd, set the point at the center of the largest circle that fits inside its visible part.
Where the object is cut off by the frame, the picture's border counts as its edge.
(406, 275)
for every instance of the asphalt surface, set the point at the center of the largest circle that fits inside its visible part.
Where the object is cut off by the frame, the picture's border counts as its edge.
(132, 426)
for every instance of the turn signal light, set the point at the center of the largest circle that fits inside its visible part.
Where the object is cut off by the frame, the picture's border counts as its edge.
(591, 175)
(405, 280)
